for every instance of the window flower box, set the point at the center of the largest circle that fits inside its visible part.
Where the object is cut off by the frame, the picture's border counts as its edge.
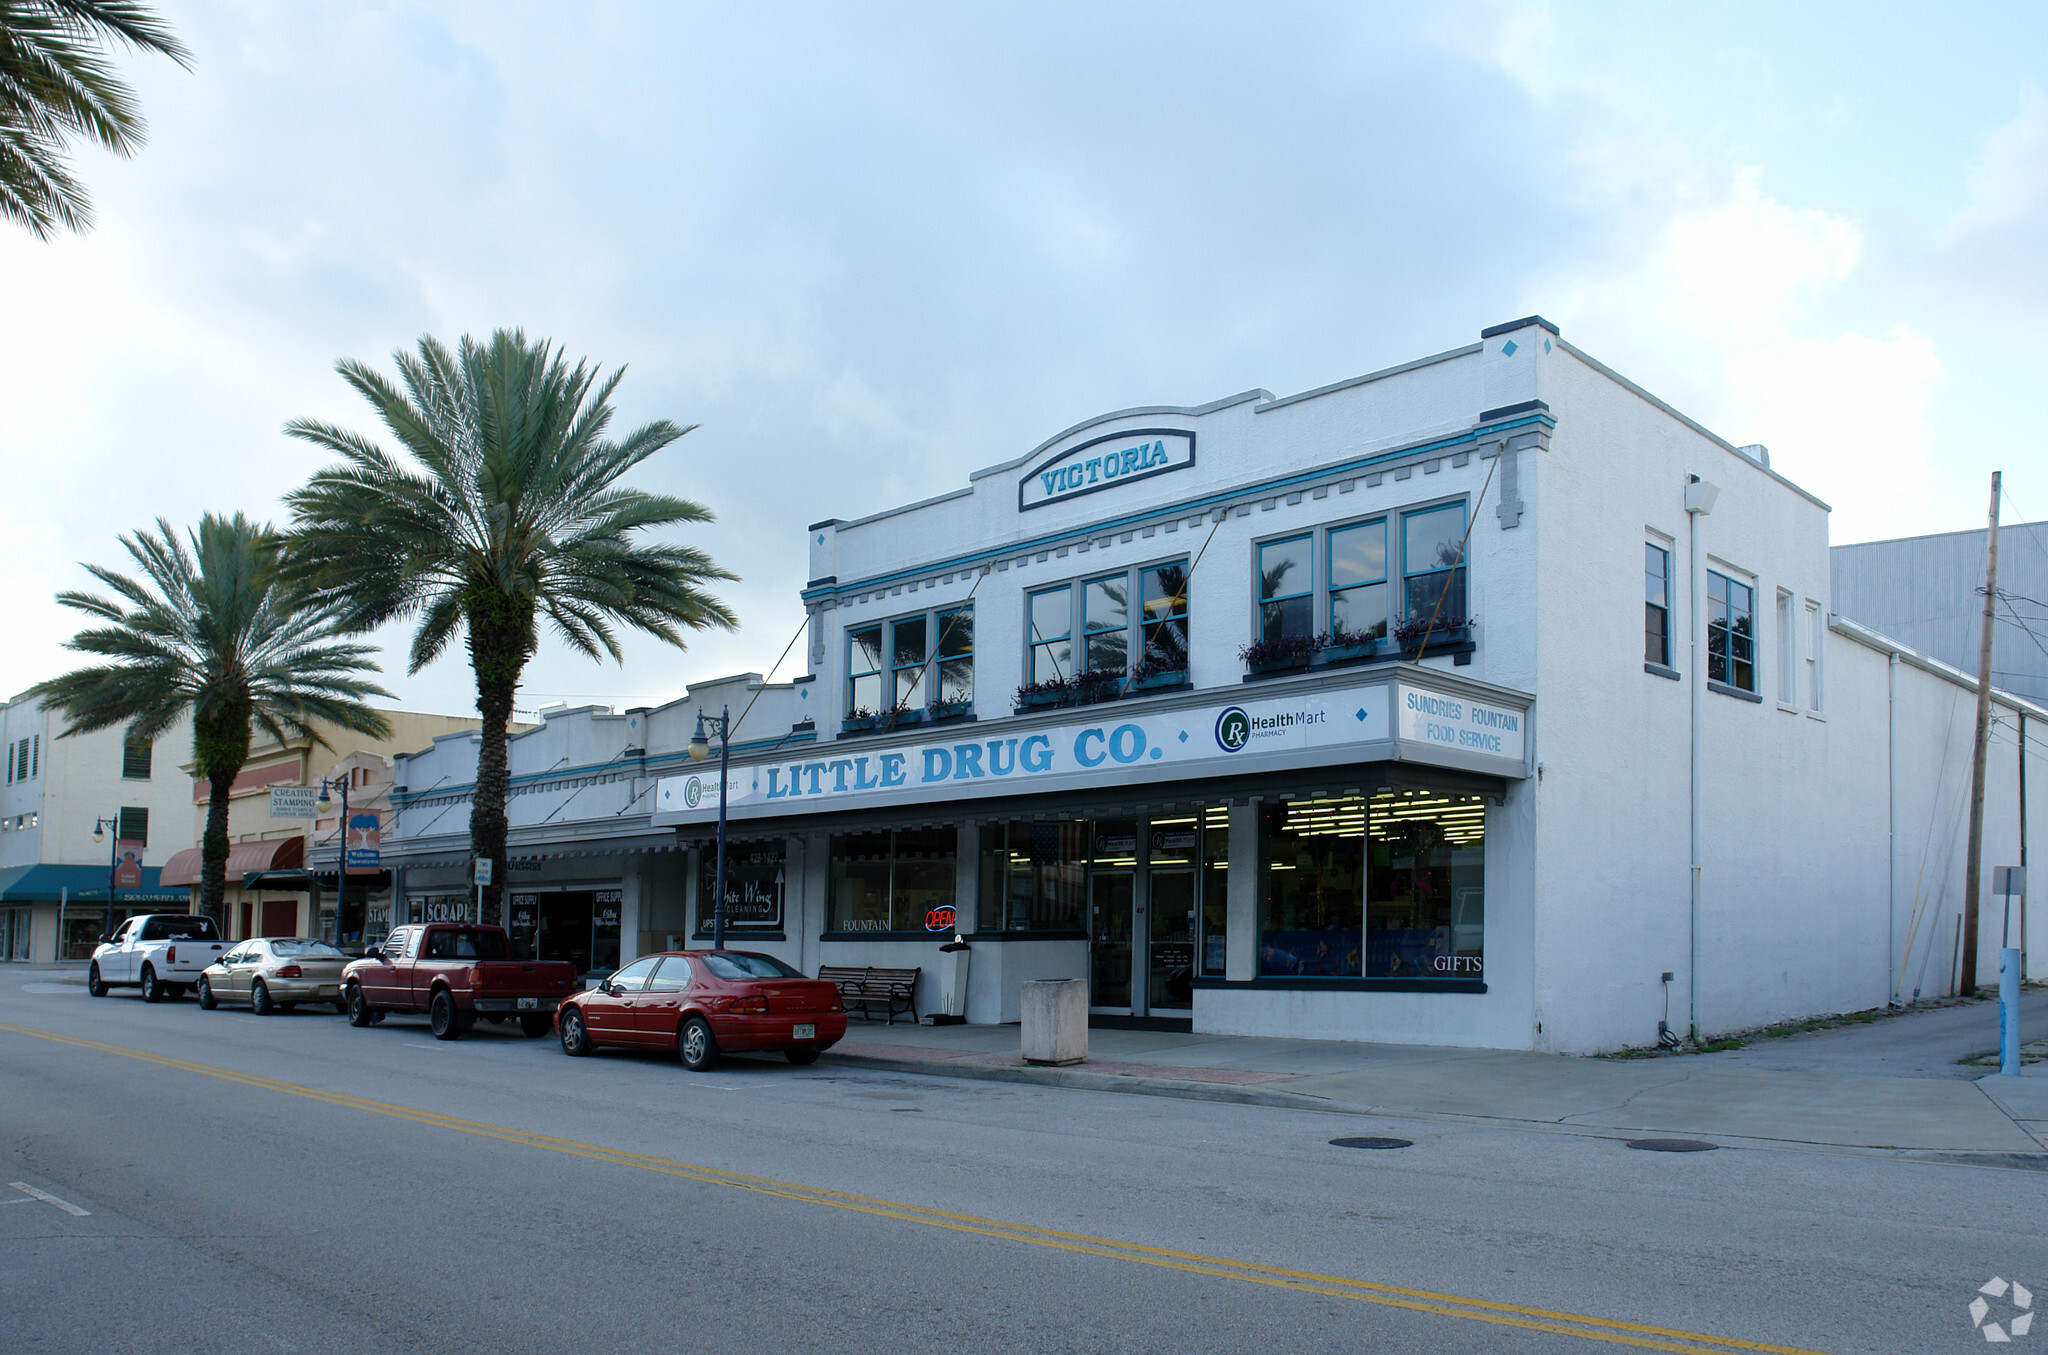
(1043, 696)
(1286, 654)
(857, 722)
(1450, 630)
(948, 710)
(1348, 648)
(1154, 682)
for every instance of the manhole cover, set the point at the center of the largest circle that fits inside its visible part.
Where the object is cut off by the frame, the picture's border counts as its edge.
(1672, 1145)
(1371, 1143)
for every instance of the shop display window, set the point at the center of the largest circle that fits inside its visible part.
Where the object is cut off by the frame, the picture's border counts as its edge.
(754, 877)
(1426, 887)
(1391, 887)
(902, 881)
(1033, 876)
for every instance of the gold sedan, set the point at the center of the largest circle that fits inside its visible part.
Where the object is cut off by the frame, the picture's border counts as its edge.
(274, 973)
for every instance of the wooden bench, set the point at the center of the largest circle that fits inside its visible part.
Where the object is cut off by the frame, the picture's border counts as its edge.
(895, 989)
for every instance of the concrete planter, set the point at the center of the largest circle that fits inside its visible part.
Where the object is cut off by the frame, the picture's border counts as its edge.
(1055, 1020)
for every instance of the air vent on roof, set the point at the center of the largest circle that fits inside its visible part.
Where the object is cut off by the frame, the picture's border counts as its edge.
(1758, 453)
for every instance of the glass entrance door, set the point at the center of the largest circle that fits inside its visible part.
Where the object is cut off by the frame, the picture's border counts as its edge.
(1110, 898)
(1171, 955)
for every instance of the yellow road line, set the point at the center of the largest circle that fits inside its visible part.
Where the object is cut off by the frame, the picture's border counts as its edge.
(1632, 1334)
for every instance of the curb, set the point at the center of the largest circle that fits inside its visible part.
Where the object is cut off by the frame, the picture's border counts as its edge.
(1077, 1079)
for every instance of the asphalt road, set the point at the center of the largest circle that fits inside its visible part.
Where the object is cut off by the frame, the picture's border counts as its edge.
(290, 1184)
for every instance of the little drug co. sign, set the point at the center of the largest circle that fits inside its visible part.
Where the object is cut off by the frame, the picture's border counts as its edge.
(1110, 745)
(1105, 463)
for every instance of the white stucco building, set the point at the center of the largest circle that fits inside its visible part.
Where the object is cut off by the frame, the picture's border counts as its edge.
(1485, 700)
(54, 793)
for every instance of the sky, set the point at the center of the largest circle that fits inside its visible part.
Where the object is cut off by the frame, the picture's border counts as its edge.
(869, 249)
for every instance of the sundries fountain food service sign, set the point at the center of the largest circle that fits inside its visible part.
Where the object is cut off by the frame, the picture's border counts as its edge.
(1113, 745)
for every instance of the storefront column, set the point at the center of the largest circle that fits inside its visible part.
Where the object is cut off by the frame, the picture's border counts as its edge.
(691, 875)
(1241, 952)
(967, 880)
(632, 888)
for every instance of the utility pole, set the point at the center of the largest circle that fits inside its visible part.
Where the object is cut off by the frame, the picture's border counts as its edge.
(1973, 885)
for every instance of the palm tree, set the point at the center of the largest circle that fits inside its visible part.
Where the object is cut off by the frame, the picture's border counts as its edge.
(211, 631)
(56, 83)
(501, 508)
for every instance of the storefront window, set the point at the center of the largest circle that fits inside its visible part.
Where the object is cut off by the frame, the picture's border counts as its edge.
(1393, 887)
(1312, 888)
(1033, 876)
(1426, 916)
(894, 882)
(1215, 889)
(753, 886)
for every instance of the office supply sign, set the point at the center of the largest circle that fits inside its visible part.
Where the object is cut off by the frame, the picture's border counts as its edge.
(295, 802)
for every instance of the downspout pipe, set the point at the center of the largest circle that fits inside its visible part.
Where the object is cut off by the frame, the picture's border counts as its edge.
(1699, 501)
(1892, 978)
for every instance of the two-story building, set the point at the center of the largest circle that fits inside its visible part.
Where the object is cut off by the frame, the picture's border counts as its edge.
(69, 809)
(1483, 700)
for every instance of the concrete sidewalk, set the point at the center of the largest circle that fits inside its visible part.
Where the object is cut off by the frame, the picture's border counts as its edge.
(1820, 1095)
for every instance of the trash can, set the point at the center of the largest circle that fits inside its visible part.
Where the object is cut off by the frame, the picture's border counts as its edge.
(1055, 1015)
(953, 982)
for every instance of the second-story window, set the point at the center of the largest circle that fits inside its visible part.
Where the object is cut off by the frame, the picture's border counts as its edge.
(907, 655)
(1433, 565)
(1731, 632)
(1052, 629)
(1656, 605)
(864, 670)
(1286, 591)
(135, 761)
(956, 655)
(1165, 622)
(1106, 622)
(1358, 579)
(911, 662)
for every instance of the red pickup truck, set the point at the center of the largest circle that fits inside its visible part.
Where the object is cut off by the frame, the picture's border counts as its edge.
(454, 972)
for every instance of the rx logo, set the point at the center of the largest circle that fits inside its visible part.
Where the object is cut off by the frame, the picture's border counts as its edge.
(693, 792)
(2018, 1299)
(1233, 729)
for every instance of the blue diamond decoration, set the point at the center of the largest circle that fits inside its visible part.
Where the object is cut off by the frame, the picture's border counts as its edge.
(1546, 345)
(1183, 736)
(1361, 712)
(821, 538)
(1508, 349)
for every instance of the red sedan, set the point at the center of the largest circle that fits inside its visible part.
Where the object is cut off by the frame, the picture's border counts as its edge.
(701, 1003)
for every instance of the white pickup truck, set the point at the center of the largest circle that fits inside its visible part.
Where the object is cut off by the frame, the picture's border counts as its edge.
(161, 952)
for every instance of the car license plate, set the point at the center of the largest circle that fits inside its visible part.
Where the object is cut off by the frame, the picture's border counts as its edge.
(527, 1004)
(803, 1032)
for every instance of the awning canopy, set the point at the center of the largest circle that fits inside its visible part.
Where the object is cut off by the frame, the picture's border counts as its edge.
(277, 853)
(298, 880)
(46, 883)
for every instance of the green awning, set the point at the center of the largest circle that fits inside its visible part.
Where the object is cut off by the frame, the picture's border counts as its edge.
(46, 883)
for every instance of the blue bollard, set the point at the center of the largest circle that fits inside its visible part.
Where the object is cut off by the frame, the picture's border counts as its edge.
(2009, 1013)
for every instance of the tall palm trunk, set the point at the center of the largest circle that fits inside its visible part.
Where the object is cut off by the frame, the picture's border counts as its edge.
(220, 745)
(500, 642)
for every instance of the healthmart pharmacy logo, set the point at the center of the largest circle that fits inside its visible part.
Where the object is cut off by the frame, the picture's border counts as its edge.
(2013, 1314)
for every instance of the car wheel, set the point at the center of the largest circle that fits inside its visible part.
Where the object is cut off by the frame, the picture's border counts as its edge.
(575, 1037)
(445, 1017)
(696, 1045)
(534, 1026)
(93, 983)
(152, 991)
(802, 1058)
(259, 999)
(206, 999)
(357, 1006)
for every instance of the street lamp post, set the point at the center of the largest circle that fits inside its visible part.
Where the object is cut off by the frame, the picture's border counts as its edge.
(341, 858)
(700, 748)
(100, 829)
